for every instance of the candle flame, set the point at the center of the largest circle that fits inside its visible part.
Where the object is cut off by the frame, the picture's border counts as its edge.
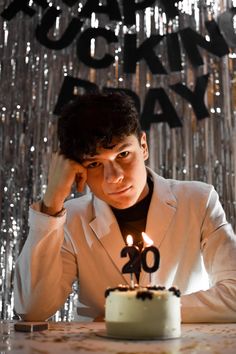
(129, 240)
(147, 239)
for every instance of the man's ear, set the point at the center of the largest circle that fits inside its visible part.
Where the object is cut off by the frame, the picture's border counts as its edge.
(144, 145)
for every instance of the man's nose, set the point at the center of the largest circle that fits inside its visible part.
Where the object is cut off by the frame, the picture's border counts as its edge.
(113, 173)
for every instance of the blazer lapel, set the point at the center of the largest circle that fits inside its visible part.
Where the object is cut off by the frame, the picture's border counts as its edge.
(161, 212)
(108, 233)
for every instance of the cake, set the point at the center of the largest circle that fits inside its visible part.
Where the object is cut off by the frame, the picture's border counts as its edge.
(142, 312)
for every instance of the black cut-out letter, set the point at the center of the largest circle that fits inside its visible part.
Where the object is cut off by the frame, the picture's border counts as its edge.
(191, 39)
(173, 50)
(111, 9)
(23, 5)
(145, 51)
(196, 97)
(169, 8)
(48, 20)
(131, 6)
(225, 21)
(84, 47)
(70, 2)
(168, 114)
(67, 91)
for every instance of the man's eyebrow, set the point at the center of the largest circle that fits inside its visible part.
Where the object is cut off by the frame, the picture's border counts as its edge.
(123, 146)
(120, 148)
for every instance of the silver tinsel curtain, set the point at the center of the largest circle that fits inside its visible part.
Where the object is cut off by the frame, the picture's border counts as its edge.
(31, 78)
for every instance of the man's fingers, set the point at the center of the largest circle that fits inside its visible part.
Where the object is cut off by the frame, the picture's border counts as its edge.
(80, 181)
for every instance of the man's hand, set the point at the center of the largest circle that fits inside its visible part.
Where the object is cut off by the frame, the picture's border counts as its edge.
(62, 174)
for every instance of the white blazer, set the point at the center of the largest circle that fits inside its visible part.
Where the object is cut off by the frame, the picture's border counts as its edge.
(186, 222)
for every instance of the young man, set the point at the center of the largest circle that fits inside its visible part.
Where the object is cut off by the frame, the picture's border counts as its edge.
(103, 147)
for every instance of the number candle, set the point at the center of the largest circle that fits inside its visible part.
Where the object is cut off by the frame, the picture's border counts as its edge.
(134, 264)
(156, 256)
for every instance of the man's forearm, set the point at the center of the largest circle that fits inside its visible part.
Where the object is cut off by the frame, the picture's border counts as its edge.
(214, 305)
(40, 286)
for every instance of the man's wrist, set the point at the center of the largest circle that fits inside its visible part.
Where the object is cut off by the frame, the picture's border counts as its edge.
(51, 211)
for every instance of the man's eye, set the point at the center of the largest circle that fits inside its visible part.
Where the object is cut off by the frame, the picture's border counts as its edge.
(93, 165)
(124, 154)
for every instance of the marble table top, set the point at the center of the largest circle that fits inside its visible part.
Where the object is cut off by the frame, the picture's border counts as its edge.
(88, 338)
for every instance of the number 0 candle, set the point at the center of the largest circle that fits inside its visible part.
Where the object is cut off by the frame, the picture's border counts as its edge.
(156, 256)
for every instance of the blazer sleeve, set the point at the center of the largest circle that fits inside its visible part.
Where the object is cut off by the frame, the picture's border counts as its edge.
(45, 269)
(218, 245)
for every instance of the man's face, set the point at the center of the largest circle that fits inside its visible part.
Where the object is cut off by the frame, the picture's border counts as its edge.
(118, 175)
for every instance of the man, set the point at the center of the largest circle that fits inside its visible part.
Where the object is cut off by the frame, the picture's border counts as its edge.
(103, 147)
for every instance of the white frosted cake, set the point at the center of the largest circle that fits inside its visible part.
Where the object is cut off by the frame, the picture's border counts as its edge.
(143, 313)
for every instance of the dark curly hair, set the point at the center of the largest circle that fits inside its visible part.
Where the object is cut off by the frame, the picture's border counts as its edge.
(92, 120)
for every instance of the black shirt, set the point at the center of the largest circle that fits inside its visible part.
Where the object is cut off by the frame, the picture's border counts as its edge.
(133, 219)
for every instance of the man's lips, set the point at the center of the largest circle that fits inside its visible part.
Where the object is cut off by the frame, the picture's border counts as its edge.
(121, 191)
